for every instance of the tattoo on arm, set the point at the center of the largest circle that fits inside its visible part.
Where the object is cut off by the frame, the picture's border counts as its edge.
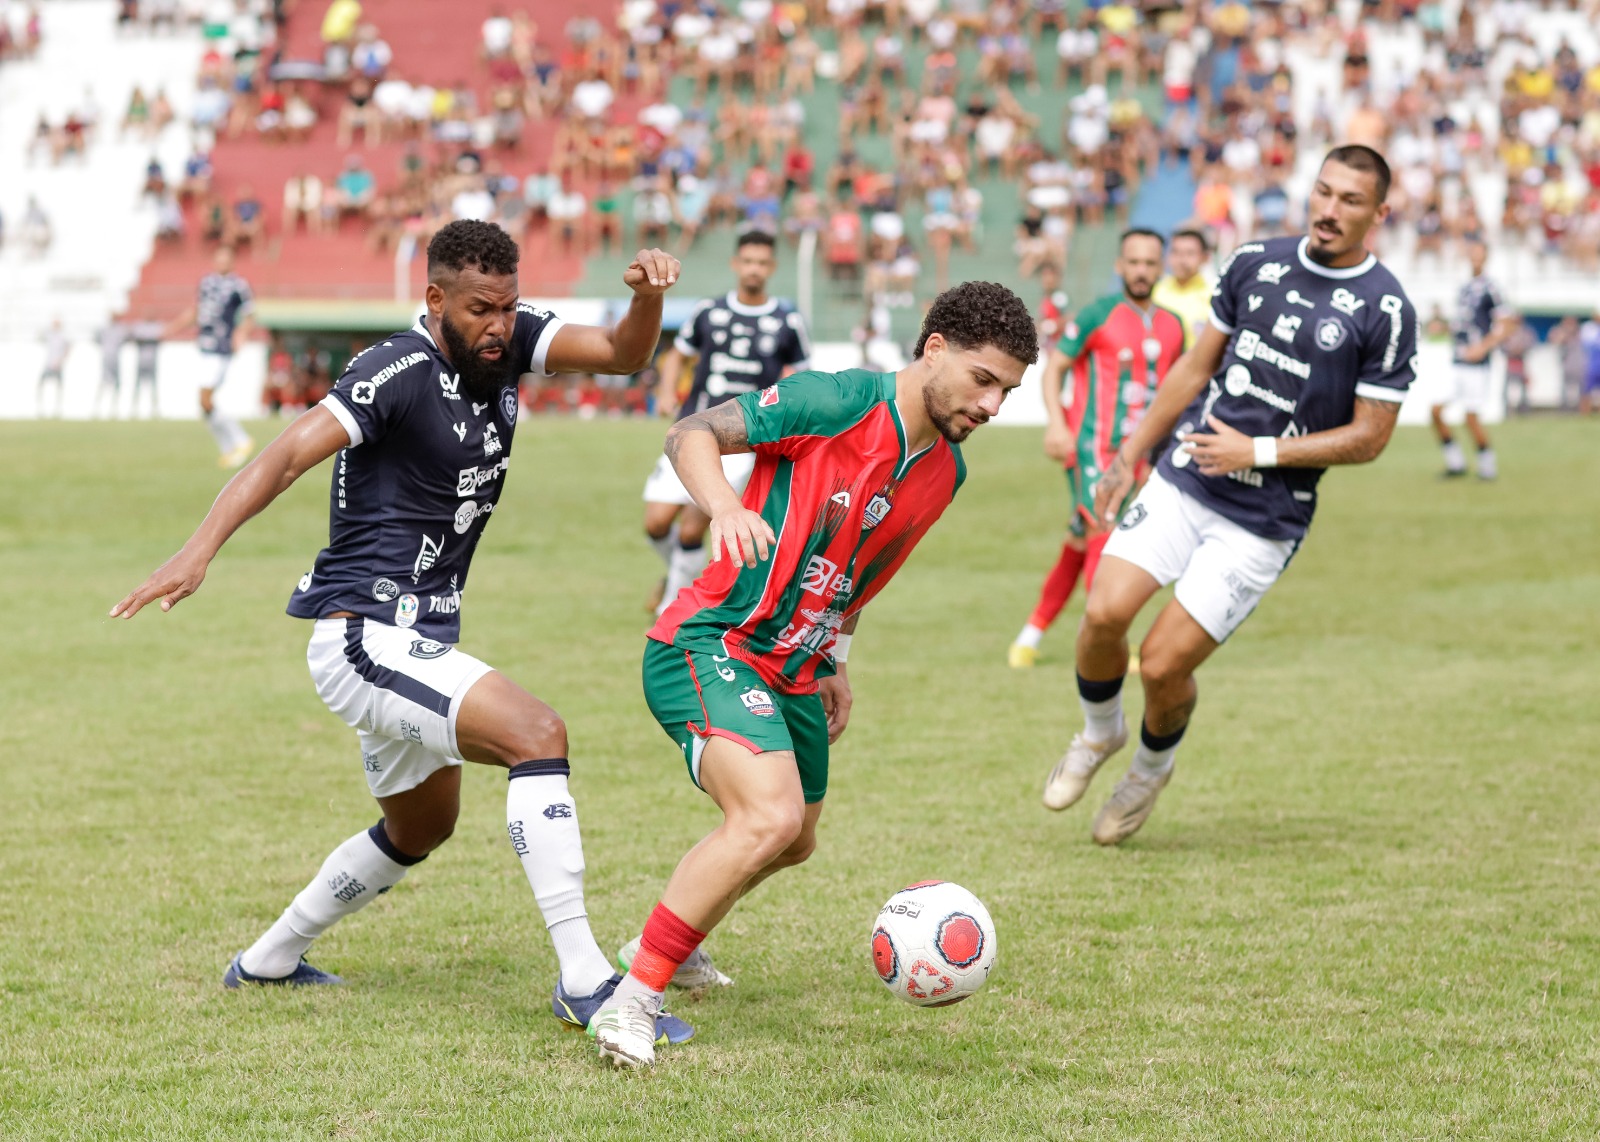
(725, 423)
(1355, 443)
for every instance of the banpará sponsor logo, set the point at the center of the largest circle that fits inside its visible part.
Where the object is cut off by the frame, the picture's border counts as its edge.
(470, 480)
(1249, 347)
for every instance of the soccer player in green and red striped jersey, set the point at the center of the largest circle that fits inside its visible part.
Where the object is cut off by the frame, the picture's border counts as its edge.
(746, 670)
(1119, 348)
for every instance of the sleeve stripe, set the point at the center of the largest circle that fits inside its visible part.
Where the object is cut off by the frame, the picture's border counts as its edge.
(684, 347)
(541, 348)
(1378, 392)
(1219, 323)
(335, 405)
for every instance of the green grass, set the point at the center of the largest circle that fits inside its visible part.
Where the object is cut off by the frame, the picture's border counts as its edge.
(1365, 909)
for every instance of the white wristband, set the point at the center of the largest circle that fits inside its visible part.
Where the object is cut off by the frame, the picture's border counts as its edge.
(841, 647)
(1266, 451)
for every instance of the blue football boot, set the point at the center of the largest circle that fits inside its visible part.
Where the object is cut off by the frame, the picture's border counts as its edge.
(577, 1010)
(304, 975)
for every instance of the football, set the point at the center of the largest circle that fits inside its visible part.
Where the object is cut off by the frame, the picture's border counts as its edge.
(933, 943)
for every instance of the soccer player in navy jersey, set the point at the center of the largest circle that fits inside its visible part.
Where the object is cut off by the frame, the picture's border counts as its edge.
(220, 317)
(1310, 351)
(422, 424)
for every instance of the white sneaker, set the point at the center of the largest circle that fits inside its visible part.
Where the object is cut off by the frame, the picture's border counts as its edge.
(695, 972)
(625, 1030)
(1129, 807)
(1072, 774)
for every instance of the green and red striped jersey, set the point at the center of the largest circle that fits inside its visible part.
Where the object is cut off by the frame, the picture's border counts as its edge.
(847, 501)
(1119, 355)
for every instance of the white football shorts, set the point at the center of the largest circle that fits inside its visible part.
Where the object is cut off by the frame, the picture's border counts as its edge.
(214, 369)
(1469, 387)
(1221, 569)
(398, 690)
(664, 487)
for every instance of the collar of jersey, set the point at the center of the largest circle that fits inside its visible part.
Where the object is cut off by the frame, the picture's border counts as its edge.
(1328, 271)
(422, 327)
(886, 390)
(743, 310)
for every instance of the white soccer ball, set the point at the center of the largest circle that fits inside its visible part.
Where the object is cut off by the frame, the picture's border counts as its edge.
(933, 943)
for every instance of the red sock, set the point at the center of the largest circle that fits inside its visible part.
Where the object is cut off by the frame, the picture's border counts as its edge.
(666, 943)
(1092, 558)
(1057, 587)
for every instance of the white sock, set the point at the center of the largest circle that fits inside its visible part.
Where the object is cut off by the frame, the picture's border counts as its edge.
(217, 425)
(1486, 462)
(542, 822)
(1102, 720)
(1454, 459)
(666, 545)
(685, 568)
(1155, 756)
(633, 985)
(1030, 636)
(354, 874)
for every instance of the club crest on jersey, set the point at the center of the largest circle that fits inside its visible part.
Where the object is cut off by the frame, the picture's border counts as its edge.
(769, 397)
(759, 703)
(1272, 272)
(1330, 333)
(877, 507)
(508, 404)
(405, 611)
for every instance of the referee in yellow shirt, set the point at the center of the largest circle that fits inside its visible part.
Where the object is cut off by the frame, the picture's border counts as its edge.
(1186, 288)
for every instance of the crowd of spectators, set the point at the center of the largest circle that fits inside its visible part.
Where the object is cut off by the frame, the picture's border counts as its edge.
(20, 30)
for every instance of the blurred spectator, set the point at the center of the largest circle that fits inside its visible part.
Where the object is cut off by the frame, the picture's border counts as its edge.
(354, 189)
(36, 230)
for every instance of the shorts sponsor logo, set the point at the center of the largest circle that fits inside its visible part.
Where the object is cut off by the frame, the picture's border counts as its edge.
(1346, 302)
(1330, 333)
(410, 731)
(759, 703)
(427, 555)
(371, 763)
(769, 397)
(385, 590)
(519, 838)
(877, 507)
(1272, 272)
(470, 480)
(405, 611)
(427, 648)
(445, 604)
(1287, 325)
(723, 672)
(508, 404)
(491, 440)
(1137, 513)
(559, 811)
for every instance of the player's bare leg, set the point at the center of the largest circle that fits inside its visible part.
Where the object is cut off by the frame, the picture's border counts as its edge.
(1168, 658)
(764, 828)
(1120, 591)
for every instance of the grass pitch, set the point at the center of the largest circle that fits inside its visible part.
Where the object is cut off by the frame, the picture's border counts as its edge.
(1365, 908)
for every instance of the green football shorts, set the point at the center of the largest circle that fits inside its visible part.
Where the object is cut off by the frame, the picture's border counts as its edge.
(696, 696)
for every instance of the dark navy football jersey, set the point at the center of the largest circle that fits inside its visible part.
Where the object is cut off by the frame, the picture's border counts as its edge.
(1478, 306)
(412, 493)
(741, 348)
(223, 301)
(1307, 340)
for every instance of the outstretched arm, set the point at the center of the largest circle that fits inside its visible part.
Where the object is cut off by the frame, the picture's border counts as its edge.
(1226, 449)
(696, 445)
(302, 446)
(626, 346)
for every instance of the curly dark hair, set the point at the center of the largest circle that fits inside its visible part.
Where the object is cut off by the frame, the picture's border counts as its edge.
(974, 314)
(467, 242)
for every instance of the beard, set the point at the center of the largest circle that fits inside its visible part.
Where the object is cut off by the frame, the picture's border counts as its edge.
(944, 417)
(1138, 291)
(481, 379)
